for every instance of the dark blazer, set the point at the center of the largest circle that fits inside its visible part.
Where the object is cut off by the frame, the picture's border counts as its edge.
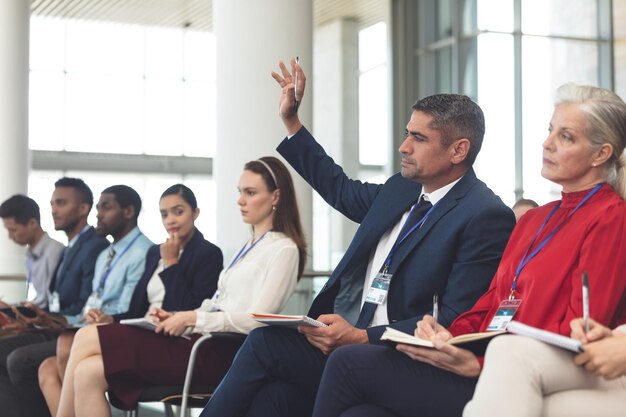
(73, 281)
(454, 254)
(187, 283)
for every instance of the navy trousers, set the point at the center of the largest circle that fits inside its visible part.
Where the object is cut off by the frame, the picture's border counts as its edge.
(20, 357)
(378, 381)
(275, 373)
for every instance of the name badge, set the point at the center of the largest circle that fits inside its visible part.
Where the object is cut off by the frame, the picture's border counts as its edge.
(94, 302)
(378, 291)
(504, 314)
(54, 303)
(31, 292)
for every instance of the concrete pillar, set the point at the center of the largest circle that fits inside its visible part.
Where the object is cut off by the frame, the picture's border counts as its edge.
(251, 36)
(14, 38)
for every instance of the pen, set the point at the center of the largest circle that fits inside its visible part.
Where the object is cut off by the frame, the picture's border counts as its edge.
(295, 90)
(435, 311)
(586, 302)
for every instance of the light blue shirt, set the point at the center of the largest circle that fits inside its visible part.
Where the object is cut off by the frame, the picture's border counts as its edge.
(126, 268)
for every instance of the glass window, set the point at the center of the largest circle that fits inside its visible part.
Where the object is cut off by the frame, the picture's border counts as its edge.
(495, 15)
(46, 110)
(104, 114)
(496, 96)
(120, 88)
(47, 44)
(199, 56)
(560, 17)
(161, 46)
(373, 96)
(164, 117)
(444, 18)
(199, 118)
(104, 48)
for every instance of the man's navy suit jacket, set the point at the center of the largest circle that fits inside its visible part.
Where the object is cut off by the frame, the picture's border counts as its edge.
(454, 254)
(73, 282)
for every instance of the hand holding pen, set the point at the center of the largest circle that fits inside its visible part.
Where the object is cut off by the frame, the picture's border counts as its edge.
(292, 85)
(295, 87)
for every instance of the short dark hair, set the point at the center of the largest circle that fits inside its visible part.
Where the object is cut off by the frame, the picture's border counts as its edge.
(456, 116)
(21, 208)
(125, 197)
(83, 191)
(183, 191)
(525, 202)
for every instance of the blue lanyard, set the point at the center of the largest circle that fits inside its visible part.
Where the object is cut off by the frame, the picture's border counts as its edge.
(408, 233)
(527, 258)
(106, 273)
(241, 253)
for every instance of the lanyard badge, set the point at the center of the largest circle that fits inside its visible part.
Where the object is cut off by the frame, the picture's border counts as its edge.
(504, 314)
(54, 302)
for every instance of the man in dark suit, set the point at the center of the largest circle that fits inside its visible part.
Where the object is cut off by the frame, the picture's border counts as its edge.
(20, 355)
(449, 244)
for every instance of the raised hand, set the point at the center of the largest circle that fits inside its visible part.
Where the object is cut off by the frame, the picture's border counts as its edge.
(287, 109)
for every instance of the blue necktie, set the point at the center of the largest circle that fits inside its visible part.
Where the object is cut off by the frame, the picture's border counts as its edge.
(368, 310)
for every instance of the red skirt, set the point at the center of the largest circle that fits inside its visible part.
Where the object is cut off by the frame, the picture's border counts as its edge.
(135, 358)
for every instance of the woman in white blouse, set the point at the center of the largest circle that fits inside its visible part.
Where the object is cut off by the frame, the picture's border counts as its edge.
(260, 278)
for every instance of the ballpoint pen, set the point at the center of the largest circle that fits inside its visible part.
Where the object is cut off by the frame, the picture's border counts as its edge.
(295, 90)
(586, 302)
(435, 311)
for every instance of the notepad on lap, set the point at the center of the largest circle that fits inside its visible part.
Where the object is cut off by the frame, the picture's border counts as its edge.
(144, 324)
(397, 336)
(287, 321)
(551, 338)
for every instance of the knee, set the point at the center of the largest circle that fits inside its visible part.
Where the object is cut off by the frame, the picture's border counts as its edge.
(18, 364)
(509, 347)
(48, 372)
(350, 356)
(84, 335)
(88, 373)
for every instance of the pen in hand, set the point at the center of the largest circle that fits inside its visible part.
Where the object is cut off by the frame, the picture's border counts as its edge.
(435, 311)
(295, 90)
(586, 302)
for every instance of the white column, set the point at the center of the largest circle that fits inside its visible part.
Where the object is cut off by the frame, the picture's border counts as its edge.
(335, 119)
(251, 36)
(14, 36)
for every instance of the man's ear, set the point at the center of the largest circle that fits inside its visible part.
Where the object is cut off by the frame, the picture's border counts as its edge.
(84, 209)
(459, 150)
(129, 212)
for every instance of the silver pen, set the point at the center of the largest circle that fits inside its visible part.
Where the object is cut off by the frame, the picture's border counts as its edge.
(435, 311)
(295, 90)
(586, 302)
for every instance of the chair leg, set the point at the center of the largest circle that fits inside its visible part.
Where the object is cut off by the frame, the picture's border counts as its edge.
(169, 410)
(131, 413)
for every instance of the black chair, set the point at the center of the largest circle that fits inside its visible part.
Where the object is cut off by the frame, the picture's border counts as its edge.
(186, 396)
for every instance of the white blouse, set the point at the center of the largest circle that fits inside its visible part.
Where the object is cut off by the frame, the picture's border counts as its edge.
(260, 282)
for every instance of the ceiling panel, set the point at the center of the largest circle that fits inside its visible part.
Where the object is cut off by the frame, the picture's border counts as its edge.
(197, 14)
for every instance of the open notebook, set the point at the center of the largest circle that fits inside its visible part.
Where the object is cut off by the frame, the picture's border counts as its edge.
(286, 320)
